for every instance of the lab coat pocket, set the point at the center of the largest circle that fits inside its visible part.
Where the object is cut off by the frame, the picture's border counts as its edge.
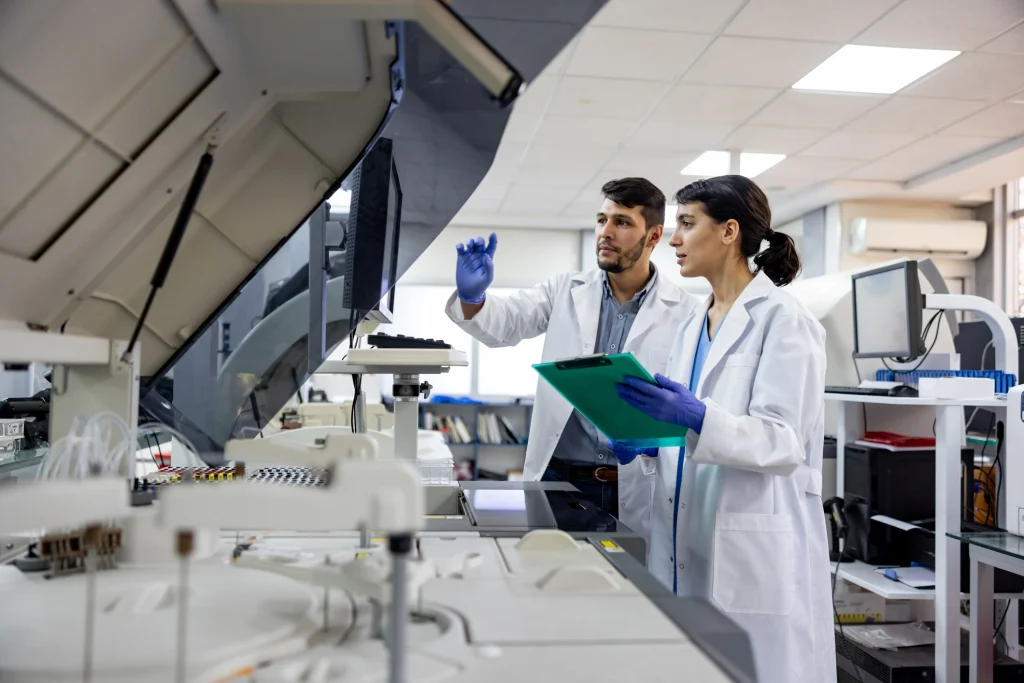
(754, 563)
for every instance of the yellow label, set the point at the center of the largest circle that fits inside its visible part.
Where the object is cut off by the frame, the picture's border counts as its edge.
(360, 556)
(378, 540)
(433, 516)
(611, 546)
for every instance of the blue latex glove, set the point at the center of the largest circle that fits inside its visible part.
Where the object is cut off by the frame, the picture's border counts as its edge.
(627, 454)
(667, 401)
(474, 270)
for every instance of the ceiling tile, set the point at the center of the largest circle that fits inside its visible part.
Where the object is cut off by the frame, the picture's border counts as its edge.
(557, 65)
(571, 130)
(943, 24)
(486, 197)
(536, 199)
(712, 103)
(694, 16)
(758, 62)
(506, 163)
(866, 146)
(651, 55)
(920, 157)
(815, 110)
(520, 127)
(913, 114)
(562, 166)
(610, 98)
(830, 20)
(538, 93)
(584, 208)
(773, 139)
(673, 135)
(800, 168)
(973, 76)
(1011, 42)
(653, 164)
(1001, 120)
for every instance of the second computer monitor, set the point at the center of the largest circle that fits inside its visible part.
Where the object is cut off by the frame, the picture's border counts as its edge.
(887, 311)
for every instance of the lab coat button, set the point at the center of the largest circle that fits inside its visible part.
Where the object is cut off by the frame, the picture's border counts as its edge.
(620, 316)
(682, 566)
(613, 346)
(682, 506)
(600, 456)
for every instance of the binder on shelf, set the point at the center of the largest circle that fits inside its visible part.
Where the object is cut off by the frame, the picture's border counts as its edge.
(588, 383)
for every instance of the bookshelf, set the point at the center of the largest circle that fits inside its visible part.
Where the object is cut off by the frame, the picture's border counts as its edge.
(474, 445)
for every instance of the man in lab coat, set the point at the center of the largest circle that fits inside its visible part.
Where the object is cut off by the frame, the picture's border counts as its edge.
(623, 305)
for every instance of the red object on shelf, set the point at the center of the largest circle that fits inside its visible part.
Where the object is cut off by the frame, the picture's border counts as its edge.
(899, 440)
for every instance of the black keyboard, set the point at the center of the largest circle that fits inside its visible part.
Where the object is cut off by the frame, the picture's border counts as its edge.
(863, 391)
(400, 341)
(901, 391)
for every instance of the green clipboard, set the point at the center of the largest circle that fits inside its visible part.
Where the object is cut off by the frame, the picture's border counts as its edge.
(588, 383)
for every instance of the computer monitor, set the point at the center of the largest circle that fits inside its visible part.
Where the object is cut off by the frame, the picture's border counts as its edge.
(887, 312)
(373, 232)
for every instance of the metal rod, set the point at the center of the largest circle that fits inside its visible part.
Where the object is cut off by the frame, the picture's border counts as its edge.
(364, 537)
(90, 613)
(327, 598)
(181, 665)
(400, 547)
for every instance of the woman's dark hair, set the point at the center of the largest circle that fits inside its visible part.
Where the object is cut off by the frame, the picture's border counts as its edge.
(738, 197)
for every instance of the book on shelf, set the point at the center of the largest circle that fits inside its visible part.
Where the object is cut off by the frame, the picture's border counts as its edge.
(493, 429)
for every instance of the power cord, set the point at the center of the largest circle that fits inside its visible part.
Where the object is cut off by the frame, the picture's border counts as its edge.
(835, 611)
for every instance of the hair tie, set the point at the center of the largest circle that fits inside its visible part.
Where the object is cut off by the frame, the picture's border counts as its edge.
(777, 239)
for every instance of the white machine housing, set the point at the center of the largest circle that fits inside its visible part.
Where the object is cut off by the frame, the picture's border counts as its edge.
(962, 240)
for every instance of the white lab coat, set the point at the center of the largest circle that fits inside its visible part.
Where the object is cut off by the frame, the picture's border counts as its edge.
(751, 534)
(567, 308)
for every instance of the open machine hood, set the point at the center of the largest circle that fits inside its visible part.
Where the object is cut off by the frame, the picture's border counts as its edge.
(106, 107)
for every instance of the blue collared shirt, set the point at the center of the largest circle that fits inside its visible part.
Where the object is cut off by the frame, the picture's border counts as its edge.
(580, 442)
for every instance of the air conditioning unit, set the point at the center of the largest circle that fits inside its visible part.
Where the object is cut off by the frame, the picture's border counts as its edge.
(951, 240)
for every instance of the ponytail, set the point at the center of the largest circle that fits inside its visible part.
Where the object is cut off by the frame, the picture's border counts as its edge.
(779, 261)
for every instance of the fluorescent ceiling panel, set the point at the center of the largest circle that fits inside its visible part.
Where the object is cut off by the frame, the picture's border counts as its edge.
(715, 163)
(708, 164)
(879, 70)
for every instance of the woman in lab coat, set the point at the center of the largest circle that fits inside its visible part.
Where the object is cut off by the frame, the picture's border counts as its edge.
(737, 515)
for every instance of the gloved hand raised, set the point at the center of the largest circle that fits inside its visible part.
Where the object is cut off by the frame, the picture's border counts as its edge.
(667, 401)
(474, 270)
(627, 454)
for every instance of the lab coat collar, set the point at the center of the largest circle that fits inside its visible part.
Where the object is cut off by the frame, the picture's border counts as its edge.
(730, 331)
(587, 290)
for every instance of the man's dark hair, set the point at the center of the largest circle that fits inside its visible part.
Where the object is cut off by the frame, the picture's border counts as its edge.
(632, 192)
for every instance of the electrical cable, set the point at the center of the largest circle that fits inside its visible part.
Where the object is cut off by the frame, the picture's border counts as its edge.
(835, 611)
(984, 446)
(999, 626)
(999, 468)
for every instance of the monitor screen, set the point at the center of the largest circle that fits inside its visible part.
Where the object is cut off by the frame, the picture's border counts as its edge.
(373, 233)
(887, 308)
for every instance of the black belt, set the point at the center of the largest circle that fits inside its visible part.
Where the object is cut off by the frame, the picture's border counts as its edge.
(604, 474)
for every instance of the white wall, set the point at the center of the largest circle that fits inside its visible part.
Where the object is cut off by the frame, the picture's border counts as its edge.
(524, 257)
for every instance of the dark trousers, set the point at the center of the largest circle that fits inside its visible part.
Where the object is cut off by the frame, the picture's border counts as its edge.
(601, 494)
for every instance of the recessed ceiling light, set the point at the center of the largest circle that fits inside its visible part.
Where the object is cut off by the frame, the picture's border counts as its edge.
(879, 70)
(708, 164)
(753, 164)
(715, 163)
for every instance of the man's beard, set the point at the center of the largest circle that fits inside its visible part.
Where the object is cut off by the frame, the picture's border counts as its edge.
(623, 260)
